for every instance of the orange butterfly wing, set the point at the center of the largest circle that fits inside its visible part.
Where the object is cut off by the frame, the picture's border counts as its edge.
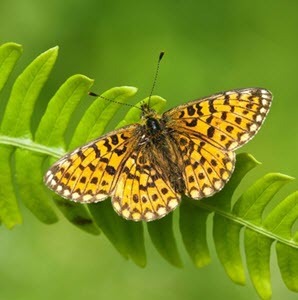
(116, 166)
(208, 131)
(89, 173)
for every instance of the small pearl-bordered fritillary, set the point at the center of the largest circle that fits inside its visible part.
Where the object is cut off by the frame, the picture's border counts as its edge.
(146, 167)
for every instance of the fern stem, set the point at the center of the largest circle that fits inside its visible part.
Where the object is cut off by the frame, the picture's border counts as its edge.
(26, 143)
(248, 224)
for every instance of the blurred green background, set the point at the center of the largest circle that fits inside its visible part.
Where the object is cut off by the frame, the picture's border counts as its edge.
(210, 46)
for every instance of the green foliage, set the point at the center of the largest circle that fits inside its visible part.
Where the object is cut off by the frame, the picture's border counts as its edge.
(24, 157)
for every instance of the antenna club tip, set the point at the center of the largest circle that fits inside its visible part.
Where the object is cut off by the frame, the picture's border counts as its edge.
(92, 94)
(162, 53)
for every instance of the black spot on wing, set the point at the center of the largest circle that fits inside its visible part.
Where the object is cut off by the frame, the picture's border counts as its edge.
(190, 110)
(192, 123)
(110, 170)
(210, 132)
(115, 140)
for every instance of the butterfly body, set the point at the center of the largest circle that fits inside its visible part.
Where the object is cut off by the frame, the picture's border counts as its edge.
(146, 167)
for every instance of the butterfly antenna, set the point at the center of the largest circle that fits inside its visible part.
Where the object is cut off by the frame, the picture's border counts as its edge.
(155, 77)
(110, 100)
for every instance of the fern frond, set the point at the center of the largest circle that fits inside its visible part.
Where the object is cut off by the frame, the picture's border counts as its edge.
(24, 156)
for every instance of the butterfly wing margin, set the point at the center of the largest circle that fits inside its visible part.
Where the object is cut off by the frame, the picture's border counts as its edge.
(89, 173)
(227, 120)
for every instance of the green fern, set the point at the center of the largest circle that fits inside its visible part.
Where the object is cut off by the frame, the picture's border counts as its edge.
(24, 157)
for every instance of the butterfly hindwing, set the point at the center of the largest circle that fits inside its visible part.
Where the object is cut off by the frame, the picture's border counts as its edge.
(143, 192)
(206, 167)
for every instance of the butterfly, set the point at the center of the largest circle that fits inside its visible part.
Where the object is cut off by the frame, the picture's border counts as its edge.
(146, 167)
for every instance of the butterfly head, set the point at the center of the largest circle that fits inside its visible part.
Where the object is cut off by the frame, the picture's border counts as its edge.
(147, 112)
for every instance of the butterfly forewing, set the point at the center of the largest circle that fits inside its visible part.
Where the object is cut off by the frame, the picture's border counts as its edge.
(89, 173)
(226, 120)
